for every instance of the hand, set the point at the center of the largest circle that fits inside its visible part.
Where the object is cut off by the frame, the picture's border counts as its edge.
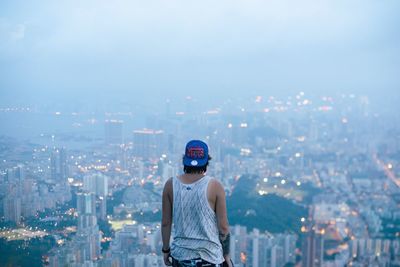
(228, 261)
(167, 260)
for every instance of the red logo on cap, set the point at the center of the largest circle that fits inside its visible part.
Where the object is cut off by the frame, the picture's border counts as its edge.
(195, 152)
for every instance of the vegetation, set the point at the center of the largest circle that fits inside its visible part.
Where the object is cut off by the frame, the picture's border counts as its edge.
(246, 207)
(147, 216)
(106, 229)
(390, 228)
(115, 200)
(25, 253)
(269, 212)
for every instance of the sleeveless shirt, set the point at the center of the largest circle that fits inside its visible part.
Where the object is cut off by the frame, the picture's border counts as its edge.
(195, 229)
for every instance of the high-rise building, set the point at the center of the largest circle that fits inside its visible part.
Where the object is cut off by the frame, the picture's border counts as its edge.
(88, 236)
(257, 249)
(132, 246)
(84, 249)
(59, 165)
(312, 246)
(86, 203)
(289, 245)
(168, 172)
(113, 132)
(167, 108)
(148, 143)
(96, 183)
(102, 208)
(12, 209)
(15, 174)
(275, 256)
(238, 247)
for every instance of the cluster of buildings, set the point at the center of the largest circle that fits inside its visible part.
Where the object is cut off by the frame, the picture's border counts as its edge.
(138, 245)
(258, 249)
(85, 246)
(322, 246)
(23, 196)
(374, 252)
(334, 156)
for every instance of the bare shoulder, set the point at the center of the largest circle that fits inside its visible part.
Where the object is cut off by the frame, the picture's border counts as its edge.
(216, 186)
(168, 183)
(168, 187)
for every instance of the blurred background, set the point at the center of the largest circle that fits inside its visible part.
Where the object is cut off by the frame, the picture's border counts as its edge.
(298, 101)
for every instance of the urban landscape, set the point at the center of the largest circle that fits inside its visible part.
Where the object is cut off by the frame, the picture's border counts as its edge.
(120, 119)
(310, 181)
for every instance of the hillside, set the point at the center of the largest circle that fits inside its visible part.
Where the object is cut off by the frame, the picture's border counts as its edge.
(268, 212)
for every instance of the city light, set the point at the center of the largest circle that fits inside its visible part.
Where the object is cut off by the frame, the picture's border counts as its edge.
(262, 192)
(245, 151)
(74, 190)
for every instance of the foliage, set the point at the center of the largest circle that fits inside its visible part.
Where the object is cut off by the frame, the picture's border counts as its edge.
(390, 228)
(24, 253)
(147, 216)
(269, 212)
(115, 200)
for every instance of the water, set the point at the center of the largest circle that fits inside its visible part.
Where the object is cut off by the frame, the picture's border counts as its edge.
(62, 129)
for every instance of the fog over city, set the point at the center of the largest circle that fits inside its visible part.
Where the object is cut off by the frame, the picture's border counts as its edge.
(297, 101)
(146, 51)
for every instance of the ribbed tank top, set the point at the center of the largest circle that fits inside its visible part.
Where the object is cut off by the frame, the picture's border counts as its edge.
(195, 229)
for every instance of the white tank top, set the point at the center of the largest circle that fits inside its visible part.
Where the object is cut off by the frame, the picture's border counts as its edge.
(195, 229)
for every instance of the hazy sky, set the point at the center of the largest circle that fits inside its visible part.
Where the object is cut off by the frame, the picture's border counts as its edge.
(54, 50)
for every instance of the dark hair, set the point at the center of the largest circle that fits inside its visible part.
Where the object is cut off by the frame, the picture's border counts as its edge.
(197, 169)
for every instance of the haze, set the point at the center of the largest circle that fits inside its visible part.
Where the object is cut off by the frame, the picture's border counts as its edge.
(138, 51)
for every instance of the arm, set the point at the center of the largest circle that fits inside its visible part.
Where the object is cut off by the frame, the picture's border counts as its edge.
(222, 218)
(166, 221)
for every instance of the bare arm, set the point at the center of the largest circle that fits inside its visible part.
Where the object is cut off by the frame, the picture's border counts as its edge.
(222, 218)
(166, 221)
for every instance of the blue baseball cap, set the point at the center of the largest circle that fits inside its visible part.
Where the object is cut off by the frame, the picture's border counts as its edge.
(196, 154)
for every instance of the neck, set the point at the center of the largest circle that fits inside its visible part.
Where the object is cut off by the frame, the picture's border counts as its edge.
(193, 176)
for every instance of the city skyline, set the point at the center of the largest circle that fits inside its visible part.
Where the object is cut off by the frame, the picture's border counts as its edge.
(326, 170)
(296, 100)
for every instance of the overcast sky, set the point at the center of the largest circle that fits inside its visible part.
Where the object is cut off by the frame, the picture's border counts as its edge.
(52, 50)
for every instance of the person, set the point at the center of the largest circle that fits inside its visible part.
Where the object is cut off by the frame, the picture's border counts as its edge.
(195, 205)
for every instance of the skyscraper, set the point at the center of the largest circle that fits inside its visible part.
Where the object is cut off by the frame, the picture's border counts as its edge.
(97, 183)
(148, 143)
(312, 246)
(88, 236)
(12, 209)
(113, 132)
(15, 174)
(86, 204)
(84, 248)
(59, 165)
